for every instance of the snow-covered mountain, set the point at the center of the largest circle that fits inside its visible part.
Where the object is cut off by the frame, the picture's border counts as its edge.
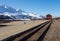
(7, 12)
(4, 8)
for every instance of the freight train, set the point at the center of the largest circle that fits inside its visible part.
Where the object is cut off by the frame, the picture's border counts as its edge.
(49, 17)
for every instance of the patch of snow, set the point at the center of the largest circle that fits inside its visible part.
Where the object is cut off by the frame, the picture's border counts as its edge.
(31, 14)
(5, 6)
(6, 14)
(24, 13)
(17, 9)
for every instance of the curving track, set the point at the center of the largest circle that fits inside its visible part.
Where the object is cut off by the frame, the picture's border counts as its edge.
(34, 34)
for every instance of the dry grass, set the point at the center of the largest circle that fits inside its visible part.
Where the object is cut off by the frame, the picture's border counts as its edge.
(16, 27)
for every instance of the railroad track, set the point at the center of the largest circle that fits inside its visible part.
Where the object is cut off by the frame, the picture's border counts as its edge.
(36, 33)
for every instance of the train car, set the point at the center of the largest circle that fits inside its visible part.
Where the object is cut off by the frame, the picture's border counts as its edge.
(49, 17)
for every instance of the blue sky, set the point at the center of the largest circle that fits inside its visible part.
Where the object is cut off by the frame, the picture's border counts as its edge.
(41, 7)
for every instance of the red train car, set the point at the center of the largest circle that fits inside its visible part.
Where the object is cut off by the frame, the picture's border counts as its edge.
(49, 17)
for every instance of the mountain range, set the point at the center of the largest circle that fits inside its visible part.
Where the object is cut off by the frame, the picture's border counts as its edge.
(7, 12)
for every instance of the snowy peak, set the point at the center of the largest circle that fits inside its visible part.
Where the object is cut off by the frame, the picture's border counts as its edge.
(5, 8)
